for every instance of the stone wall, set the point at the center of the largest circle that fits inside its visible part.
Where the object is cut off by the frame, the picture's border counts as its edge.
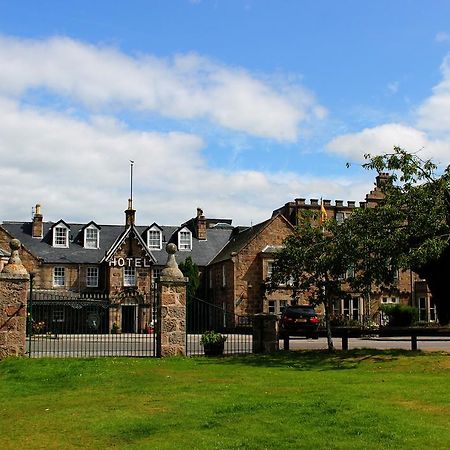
(172, 308)
(265, 333)
(14, 285)
(172, 316)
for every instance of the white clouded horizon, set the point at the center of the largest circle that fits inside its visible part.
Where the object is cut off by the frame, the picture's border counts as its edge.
(79, 171)
(74, 161)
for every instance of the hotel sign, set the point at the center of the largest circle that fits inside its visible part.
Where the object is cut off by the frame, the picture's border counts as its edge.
(130, 262)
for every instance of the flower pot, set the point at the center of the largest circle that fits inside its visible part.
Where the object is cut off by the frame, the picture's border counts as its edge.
(215, 349)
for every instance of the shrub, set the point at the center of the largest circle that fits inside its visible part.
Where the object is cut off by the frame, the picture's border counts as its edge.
(400, 315)
(212, 337)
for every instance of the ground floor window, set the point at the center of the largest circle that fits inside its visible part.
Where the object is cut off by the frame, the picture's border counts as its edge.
(59, 278)
(427, 309)
(276, 306)
(129, 276)
(348, 308)
(58, 315)
(156, 272)
(92, 277)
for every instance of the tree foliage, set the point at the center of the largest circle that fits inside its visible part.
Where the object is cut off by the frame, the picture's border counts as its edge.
(409, 228)
(190, 270)
(312, 262)
(419, 193)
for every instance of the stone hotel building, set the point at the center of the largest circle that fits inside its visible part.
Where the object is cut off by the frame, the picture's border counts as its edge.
(122, 262)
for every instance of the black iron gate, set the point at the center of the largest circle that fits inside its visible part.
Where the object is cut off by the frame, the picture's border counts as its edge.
(202, 316)
(92, 325)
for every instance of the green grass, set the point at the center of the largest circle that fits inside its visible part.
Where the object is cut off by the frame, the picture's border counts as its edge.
(312, 400)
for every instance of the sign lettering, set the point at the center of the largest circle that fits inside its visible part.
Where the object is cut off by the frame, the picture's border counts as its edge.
(130, 262)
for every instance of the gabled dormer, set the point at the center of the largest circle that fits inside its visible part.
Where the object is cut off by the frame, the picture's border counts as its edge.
(60, 234)
(184, 239)
(91, 235)
(154, 237)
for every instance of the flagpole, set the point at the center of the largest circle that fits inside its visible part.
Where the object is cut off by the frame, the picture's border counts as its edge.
(131, 182)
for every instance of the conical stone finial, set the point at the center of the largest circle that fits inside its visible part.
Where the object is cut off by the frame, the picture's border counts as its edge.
(14, 265)
(172, 270)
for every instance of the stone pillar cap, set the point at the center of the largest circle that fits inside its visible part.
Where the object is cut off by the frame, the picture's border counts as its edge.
(14, 266)
(172, 270)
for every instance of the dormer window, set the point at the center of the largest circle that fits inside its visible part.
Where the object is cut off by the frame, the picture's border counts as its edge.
(154, 238)
(91, 237)
(184, 240)
(61, 235)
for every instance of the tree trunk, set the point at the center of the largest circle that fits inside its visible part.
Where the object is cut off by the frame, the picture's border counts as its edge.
(328, 307)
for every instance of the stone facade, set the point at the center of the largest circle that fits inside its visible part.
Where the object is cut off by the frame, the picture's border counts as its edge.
(265, 338)
(172, 308)
(238, 281)
(173, 316)
(14, 285)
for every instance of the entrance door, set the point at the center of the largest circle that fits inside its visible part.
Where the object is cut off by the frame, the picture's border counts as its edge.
(128, 318)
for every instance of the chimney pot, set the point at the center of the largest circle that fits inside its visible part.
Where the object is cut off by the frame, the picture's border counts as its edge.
(37, 228)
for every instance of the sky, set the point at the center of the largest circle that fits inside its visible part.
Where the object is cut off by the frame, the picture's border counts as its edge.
(233, 106)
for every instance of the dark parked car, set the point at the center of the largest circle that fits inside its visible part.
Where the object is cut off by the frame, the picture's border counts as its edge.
(299, 320)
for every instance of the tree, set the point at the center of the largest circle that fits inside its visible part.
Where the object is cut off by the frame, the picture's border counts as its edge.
(312, 262)
(416, 225)
(190, 270)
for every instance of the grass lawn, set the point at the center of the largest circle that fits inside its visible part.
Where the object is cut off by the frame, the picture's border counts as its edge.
(358, 399)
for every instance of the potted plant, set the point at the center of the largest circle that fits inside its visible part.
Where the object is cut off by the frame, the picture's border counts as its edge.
(213, 343)
(115, 328)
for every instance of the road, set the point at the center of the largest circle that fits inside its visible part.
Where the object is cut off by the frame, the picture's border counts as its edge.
(404, 343)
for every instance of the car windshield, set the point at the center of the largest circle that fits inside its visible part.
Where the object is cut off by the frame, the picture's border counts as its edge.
(300, 312)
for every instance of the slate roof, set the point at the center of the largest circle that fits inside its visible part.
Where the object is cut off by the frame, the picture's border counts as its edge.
(239, 239)
(241, 236)
(202, 251)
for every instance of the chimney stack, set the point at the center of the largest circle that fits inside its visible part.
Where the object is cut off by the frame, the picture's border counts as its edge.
(130, 214)
(37, 230)
(200, 222)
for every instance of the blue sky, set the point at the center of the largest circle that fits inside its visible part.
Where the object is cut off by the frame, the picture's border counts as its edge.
(236, 106)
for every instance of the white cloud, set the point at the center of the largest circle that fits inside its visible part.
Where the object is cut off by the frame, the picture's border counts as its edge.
(434, 113)
(79, 171)
(442, 37)
(430, 134)
(182, 87)
(377, 140)
(393, 87)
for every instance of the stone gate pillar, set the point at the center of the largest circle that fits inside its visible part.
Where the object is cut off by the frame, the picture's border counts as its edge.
(171, 324)
(14, 285)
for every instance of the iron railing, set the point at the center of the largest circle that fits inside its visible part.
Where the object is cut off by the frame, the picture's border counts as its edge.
(89, 325)
(202, 316)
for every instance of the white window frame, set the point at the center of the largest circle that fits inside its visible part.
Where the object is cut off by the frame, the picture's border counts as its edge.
(156, 272)
(340, 217)
(390, 300)
(129, 276)
(61, 240)
(154, 243)
(186, 236)
(276, 306)
(224, 276)
(58, 315)
(270, 264)
(59, 276)
(92, 276)
(88, 240)
(354, 309)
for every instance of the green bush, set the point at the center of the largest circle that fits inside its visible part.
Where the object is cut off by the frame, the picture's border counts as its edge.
(212, 338)
(400, 315)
